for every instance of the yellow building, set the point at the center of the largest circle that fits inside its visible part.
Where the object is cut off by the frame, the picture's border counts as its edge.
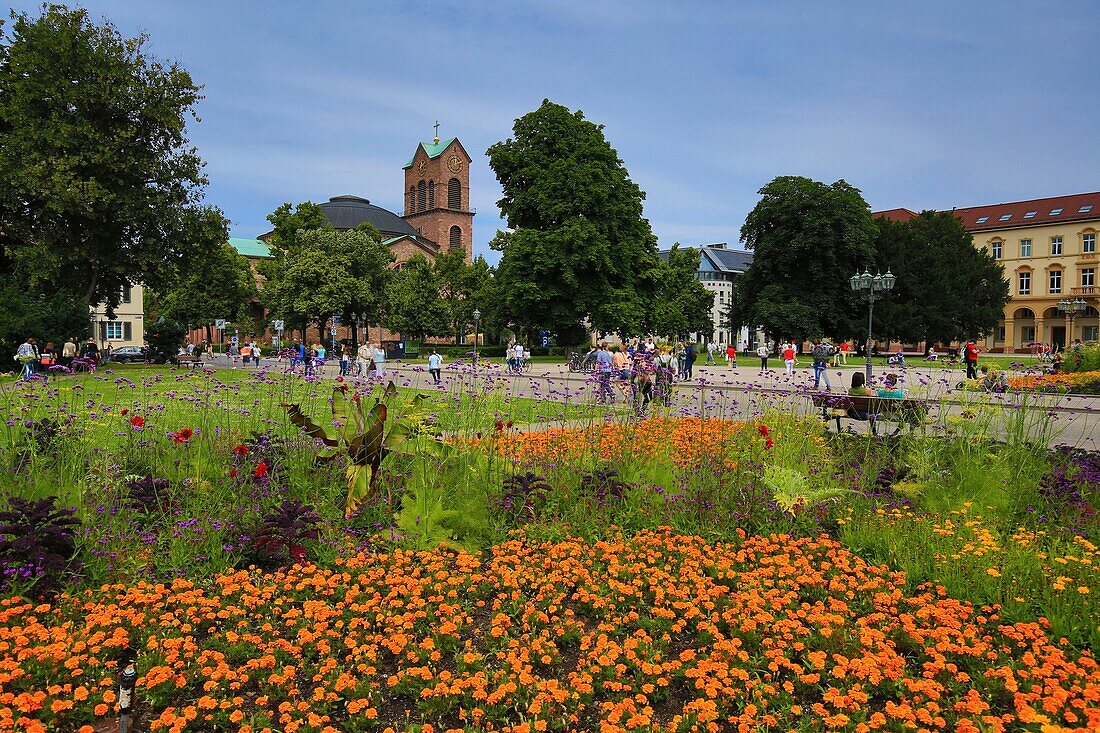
(127, 327)
(1048, 248)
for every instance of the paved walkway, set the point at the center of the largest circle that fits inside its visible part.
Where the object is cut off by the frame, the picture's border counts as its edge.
(745, 392)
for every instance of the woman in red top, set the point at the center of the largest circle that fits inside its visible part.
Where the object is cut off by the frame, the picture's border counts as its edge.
(731, 356)
(788, 357)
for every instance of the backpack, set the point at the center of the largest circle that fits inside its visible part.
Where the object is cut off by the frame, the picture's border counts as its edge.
(821, 352)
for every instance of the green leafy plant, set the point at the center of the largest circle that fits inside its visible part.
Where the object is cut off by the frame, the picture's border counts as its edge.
(366, 433)
(793, 492)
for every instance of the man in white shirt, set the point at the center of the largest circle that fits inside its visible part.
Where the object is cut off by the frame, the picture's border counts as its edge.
(363, 357)
(435, 364)
(711, 348)
(517, 357)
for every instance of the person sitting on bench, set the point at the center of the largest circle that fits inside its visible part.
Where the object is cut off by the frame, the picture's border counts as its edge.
(859, 385)
(890, 389)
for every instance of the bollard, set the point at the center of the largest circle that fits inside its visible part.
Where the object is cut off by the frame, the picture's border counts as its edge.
(127, 677)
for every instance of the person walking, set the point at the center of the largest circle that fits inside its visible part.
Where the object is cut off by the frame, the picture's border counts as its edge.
(844, 349)
(379, 361)
(762, 351)
(970, 356)
(604, 369)
(435, 365)
(689, 360)
(27, 356)
(297, 354)
(345, 360)
(68, 353)
(711, 348)
(731, 357)
(664, 365)
(788, 357)
(363, 357)
(821, 354)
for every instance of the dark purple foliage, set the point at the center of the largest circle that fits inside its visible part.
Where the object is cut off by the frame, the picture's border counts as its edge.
(37, 544)
(147, 493)
(603, 486)
(280, 537)
(522, 495)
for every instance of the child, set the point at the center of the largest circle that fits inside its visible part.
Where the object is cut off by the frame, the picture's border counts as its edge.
(345, 361)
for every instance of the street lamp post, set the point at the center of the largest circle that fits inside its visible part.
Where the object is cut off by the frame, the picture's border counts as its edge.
(477, 318)
(1072, 309)
(871, 288)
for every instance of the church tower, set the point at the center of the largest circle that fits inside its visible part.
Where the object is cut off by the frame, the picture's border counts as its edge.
(437, 195)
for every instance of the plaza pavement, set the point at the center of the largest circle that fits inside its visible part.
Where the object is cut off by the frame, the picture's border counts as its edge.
(744, 392)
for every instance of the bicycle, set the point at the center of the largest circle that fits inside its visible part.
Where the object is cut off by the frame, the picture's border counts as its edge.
(579, 362)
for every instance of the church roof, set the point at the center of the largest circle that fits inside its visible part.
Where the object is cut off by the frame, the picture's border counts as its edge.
(254, 248)
(348, 212)
(434, 150)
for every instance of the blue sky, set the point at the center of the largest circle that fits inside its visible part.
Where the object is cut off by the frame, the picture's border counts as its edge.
(921, 105)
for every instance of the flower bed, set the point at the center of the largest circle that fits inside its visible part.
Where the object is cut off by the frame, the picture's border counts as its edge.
(1076, 382)
(686, 440)
(657, 632)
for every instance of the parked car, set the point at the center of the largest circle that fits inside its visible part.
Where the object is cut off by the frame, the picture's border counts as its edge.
(128, 354)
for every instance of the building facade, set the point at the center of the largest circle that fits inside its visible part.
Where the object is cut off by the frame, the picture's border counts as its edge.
(127, 326)
(718, 264)
(1048, 249)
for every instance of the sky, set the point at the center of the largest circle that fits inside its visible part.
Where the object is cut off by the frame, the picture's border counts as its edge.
(923, 105)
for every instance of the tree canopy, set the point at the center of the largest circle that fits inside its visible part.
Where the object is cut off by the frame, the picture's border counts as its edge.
(329, 272)
(683, 304)
(579, 247)
(99, 185)
(946, 290)
(807, 238)
(413, 306)
(219, 285)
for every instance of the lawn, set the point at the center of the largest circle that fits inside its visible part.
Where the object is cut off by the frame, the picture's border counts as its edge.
(477, 561)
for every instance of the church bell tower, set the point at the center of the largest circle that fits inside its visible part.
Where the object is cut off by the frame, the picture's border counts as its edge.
(437, 194)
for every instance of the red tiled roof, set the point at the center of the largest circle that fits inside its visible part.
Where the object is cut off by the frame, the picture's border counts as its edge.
(895, 214)
(1017, 211)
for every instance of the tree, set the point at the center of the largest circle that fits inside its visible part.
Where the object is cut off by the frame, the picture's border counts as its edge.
(287, 222)
(99, 185)
(330, 272)
(413, 305)
(807, 238)
(220, 285)
(465, 287)
(580, 249)
(29, 311)
(946, 290)
(683, 304)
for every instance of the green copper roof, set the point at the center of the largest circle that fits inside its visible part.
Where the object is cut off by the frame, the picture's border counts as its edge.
(434, 150)
(250, 247)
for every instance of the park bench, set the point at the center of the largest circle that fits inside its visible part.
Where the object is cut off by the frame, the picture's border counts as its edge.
(871, 410)
(190, 361)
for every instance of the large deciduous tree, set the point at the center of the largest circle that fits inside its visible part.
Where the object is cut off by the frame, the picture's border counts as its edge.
(683, 304)
(946, 290)
(99, 185)
(464, 288)
(579, 248)
(330, 272)
(807, 239)
(220, 285)
(413, 306)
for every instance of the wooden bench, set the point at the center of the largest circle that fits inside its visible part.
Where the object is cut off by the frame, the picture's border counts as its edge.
(872, 410)
(191, 361)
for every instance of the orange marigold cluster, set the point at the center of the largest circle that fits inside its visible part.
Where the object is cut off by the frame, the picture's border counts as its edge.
(658, 632)
(684, 440)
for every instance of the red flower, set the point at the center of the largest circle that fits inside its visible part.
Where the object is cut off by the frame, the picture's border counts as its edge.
(124, 411)
(261, 470)
(769, 444)
(500, 425)
(233, 472)
(137, 421)
(183, 436)
(240, 451)
(509, 424)
(763, 430)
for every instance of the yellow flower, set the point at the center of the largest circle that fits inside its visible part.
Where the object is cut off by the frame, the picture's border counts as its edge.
(1083, 589)
(992, 572)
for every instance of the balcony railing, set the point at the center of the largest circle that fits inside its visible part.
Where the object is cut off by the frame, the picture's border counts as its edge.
(1084, 290)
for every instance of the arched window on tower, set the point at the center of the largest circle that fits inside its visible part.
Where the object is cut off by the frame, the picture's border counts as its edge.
(454, 194)
(412, 200)
(421, 189)
(456, 238)
(431, 194)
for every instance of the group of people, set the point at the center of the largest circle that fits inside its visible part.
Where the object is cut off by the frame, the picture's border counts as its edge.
(641, 372)
(34, 361)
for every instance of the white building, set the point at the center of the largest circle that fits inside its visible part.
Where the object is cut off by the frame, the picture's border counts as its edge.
(127, 328)
(718, 264)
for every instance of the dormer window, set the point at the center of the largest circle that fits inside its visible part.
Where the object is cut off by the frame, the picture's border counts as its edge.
(982, 219)
(1055, 212)
(1005, 217)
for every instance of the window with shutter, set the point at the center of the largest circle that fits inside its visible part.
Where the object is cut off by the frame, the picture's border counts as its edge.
(127, 330)
(431, 194)
(454, 194)
(456, 238)
(421, 190)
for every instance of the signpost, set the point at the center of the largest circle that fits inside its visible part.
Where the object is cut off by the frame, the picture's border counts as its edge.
(545, 336)
(278, 340)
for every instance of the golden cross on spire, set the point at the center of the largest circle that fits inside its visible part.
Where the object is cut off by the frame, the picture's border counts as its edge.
(437, 132)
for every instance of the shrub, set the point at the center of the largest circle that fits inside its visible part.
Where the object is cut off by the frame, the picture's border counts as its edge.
(37, 544)
(280, 538)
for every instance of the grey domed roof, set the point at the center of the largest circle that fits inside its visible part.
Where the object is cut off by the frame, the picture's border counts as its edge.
(348, 212)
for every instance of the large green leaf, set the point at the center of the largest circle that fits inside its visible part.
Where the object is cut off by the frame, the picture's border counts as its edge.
(360, 482)
(314, 430)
